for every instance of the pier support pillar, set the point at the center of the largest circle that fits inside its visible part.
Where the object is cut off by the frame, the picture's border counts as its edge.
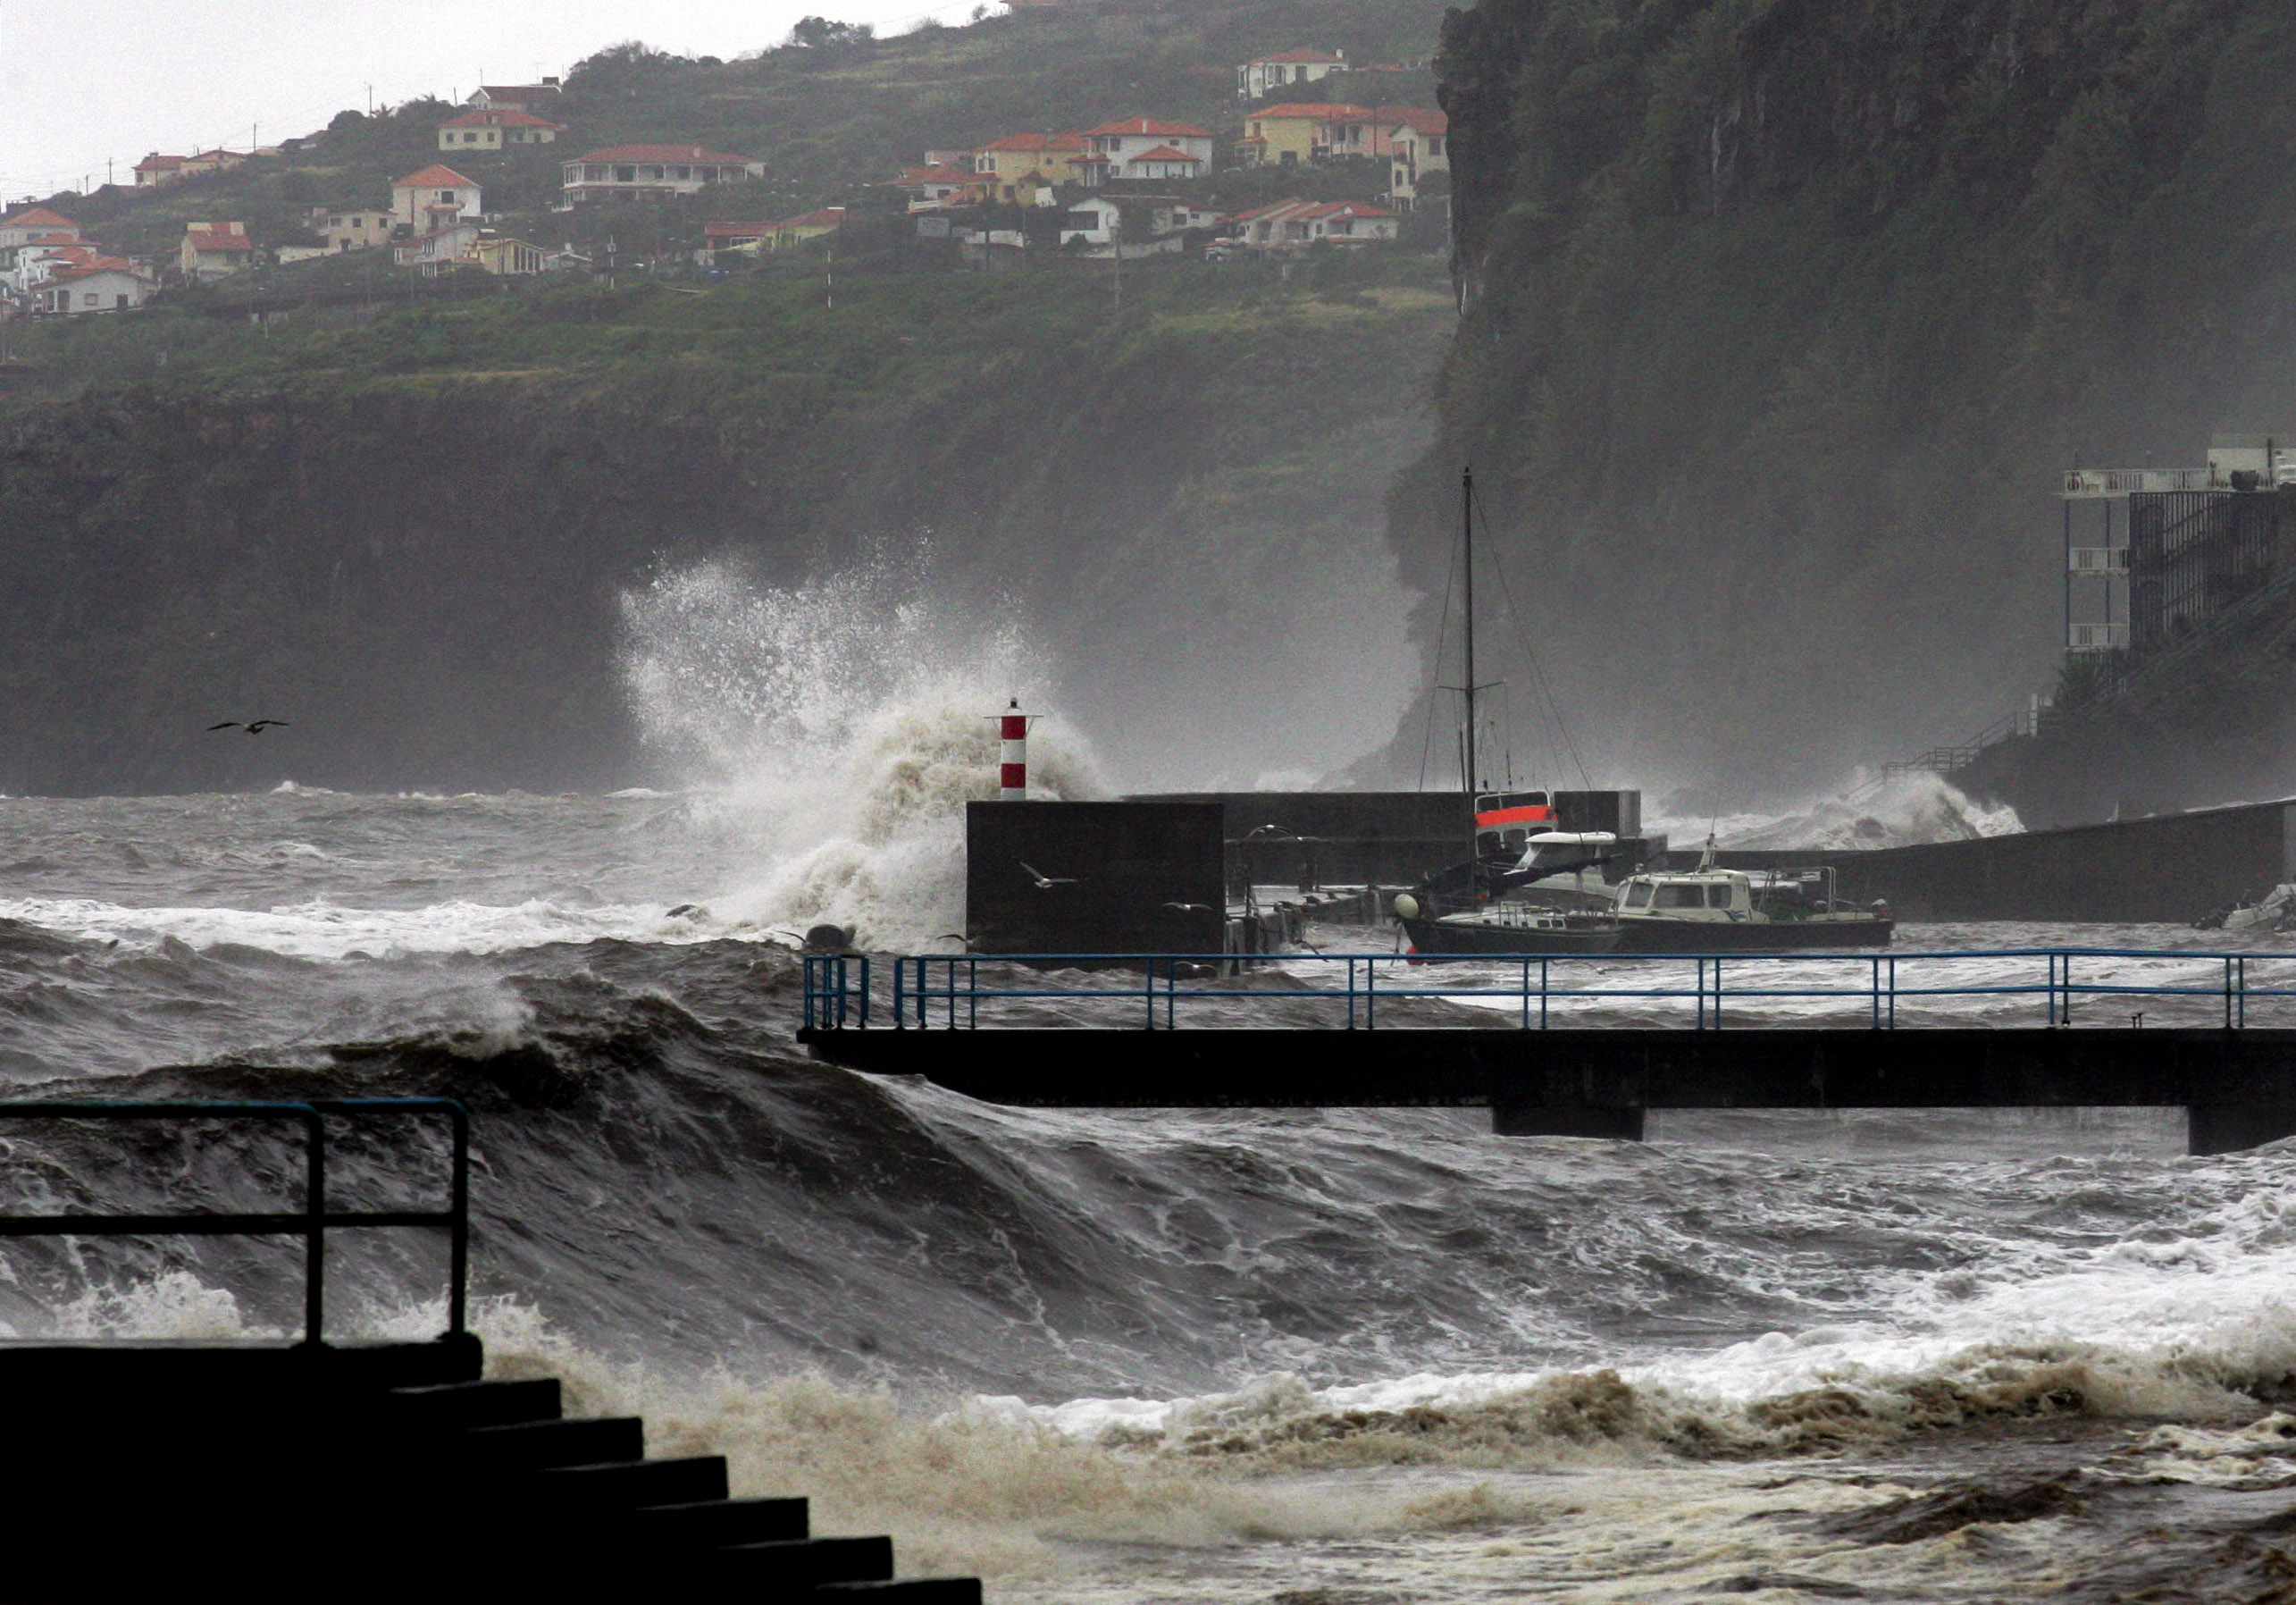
(2228, 1128)
(1566, 1119)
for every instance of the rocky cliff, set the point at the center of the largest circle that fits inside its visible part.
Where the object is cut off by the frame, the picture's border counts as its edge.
(1782, 314)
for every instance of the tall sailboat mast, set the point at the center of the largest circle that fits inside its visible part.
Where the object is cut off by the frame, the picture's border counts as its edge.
(1466, 687)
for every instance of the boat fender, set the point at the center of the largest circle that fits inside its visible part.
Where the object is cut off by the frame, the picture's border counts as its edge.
(1406, 906)
(1881, 908)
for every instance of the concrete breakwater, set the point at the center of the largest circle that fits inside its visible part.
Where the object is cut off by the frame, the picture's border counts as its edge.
(2174, 869)
(2171, 868)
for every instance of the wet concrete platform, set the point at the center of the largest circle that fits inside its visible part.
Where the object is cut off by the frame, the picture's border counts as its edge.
(2239, 1087)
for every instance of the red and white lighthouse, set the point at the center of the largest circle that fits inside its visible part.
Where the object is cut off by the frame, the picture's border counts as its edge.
(1012, 770)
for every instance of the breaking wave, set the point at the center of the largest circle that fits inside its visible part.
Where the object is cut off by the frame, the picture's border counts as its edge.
(840, 727)
(1897, 812)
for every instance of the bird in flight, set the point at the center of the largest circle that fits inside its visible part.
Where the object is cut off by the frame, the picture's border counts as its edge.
(1189, 908)
(1045, 882)
(256, 728)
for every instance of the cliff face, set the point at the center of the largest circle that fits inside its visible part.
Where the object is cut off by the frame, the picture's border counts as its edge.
(410, 539)
(1782, 314)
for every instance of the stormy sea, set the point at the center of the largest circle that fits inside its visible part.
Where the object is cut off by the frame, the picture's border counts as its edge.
(1319, 1358)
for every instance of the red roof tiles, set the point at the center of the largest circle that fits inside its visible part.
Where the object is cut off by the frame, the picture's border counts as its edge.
(1341, 113)
(1143, 128)
(489, 117)
(432, 177)
(662, 152)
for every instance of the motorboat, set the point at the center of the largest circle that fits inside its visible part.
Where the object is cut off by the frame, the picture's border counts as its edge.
(1708, 909)
(1714, 909)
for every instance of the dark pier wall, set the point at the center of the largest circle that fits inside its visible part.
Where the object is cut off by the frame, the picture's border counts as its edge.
(1119, 878)
(1373, 838)
(2240, 1086)
(2174, 868)
(1350, 838)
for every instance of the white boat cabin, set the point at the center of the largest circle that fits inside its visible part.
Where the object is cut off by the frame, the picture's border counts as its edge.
(1700, 895)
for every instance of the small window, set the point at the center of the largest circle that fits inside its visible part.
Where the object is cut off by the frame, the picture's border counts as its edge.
(1637, 895)
(1718, 896)
(1681, 896)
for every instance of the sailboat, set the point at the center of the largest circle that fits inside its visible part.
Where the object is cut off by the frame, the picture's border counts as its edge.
(1491, 903)
(1512, 843)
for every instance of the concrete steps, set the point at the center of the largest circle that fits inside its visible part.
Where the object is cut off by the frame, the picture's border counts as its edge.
(378, 1472)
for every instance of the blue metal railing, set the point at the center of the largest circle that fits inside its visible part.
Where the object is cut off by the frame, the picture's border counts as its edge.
(312, 1223)
(946, 990)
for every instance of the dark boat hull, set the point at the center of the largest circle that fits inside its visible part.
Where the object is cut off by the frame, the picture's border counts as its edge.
(1748, 936)
(1437, 936)
(1688, 937)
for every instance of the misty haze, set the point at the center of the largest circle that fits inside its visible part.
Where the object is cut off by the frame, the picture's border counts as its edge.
(1276, 801)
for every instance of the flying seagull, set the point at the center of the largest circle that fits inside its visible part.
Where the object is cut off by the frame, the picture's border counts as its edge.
(1045, 882)
(256, 728)
(1189, 908)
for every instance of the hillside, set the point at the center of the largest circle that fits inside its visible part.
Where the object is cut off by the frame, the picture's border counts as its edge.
(1783, 316)
(412, 533)
(824, 118)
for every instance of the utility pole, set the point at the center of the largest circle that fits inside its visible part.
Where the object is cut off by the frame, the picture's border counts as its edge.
(1116, 253)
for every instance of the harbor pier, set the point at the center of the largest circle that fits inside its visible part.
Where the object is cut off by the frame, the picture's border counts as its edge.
(2094, 1028)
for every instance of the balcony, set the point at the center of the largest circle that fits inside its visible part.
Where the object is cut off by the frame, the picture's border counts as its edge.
(2096, 484)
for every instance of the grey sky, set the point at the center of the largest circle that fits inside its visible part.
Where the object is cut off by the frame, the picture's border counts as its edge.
(79, 88)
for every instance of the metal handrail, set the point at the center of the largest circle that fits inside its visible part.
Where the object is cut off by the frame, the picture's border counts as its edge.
(952, 999)
(311, 1222)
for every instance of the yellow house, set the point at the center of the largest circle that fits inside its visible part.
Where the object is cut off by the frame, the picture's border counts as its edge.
(508, 258)
(1295, 134)
(1046, 158)
(491, 128)
(805, 225)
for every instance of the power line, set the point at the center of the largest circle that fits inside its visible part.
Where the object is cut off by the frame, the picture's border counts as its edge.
(1538, 675)
(1442, 634)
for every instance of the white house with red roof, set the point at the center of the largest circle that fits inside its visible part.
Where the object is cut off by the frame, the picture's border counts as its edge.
(652, 170)
(1419, 145)
(1164, 162)
(534, 99)
(1291, 226)
(34, 263)
(35, 222)
(352, 228)
(214, 250)
(156, 169)
(491, 128)
(1118, 143)
(1092, 225)
(105, 284)
(938, 188)
(439, 249)
(1033, 161)
(1262, 76)
(432, 199)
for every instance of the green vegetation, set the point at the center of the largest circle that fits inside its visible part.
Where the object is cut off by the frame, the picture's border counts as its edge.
(1783, 316)
(825, 117)
(410, 527)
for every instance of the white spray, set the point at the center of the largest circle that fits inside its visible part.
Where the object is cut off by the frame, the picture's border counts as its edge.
(837, 730)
